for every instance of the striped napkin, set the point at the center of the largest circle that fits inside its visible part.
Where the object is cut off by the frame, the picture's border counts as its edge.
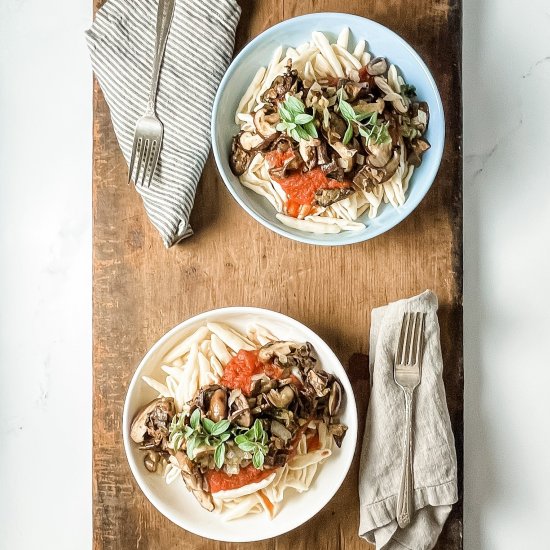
(121, 41)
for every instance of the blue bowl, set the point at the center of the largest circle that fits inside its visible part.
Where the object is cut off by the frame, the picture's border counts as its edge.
(293, 32)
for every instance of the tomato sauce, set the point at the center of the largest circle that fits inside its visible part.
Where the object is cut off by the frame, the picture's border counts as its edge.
(218, 480)
(300, 187)
(239, 371)
(276, 158)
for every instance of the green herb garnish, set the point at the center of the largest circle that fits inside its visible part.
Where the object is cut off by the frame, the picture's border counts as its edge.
(368, 124)
(295, 121)
(254, 441)
(198, 433)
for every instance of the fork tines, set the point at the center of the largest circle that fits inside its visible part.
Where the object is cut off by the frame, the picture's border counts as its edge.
(410, 339)
(147, 152)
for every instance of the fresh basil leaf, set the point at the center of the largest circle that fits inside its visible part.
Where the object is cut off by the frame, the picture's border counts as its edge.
(348, 135)
(302, 133)
(264, 438)
(189, 431)
(207, 424)
(346, 110)
(224, 437)
(258, 459)
(290, 125)
(220, 427)
(311, 130)
(294, 105)
(247, 446)
(281, 127)
(195, 418)
(258, 429)
(241, 439)
(294, 134)
(303, 118)
(364, 116)
(364, 132)
(219, 455)
(285, 114)
(191, 444)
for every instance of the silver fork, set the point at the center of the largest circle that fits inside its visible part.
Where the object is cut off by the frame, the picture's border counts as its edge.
(407, 375)
(149, 129)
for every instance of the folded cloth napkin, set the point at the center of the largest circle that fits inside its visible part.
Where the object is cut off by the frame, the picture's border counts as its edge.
(434, 455)
(200, 44)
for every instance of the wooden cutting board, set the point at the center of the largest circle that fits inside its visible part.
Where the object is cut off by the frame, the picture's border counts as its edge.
(141, 289)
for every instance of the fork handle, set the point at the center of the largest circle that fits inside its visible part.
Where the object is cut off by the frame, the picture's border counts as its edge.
(405, 496)
(164, 19)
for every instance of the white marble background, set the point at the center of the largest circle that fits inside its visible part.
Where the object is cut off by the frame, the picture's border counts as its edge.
(45, 281)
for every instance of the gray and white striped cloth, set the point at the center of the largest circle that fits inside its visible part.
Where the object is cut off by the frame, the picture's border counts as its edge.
(121, 41)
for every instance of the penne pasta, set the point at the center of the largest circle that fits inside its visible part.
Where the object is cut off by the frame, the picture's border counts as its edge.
(229, 338)
(343, 38)
(323, 45)
(161, 388)
(219, 350)
(183, 347)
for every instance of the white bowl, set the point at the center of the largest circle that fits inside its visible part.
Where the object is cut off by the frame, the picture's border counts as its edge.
(292, 32)
(178, 504)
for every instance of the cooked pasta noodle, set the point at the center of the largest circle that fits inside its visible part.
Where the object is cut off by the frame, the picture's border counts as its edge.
(315, 62)
(200, 359)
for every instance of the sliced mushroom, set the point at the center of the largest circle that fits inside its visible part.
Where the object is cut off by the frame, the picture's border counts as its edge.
(239, 409)
(318, 380)
(342, 150)
(249, 141)
(194, 481)
(290, 164)
(263, 127)
(322, 155)
(308, 152)
(346, 163)
(151, 460)
(281, 85)
(239, 159)
(377, 66)
(366, 178)
(418, 148)
(278, 430)
(338, 431)
(282, 398)
(217, 409)
(154, 416)
(335, 398)
(379, 153)
(326, 197)
(279, 349)
(352, 90)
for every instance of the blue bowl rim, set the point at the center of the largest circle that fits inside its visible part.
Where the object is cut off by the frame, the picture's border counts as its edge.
(354, 237)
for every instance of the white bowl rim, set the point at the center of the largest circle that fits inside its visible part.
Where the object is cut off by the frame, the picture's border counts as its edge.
(240, 310)
(359, 236)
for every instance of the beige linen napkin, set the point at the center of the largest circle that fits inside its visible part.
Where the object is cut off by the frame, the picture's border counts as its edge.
(434, 455)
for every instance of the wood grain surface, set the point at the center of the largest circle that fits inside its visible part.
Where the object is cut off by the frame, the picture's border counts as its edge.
(141, 289)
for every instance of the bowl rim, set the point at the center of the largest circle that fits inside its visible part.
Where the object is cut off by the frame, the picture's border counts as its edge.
(351, 405)
(354, 237)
